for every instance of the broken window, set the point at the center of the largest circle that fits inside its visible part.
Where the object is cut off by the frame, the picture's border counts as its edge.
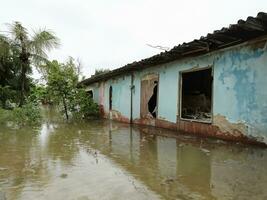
(196, 95)
(152, 103)
(149, 96)
(110, 98)
(90, 93)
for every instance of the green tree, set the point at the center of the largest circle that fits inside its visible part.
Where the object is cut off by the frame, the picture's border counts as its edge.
(39, 94)
(31, 50)
(101, 71)
(6, 94)
(8, 70)
(62, 80)
(83, 105)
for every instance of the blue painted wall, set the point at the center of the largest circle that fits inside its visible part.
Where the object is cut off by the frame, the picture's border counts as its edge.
(240, 96)
(120, 95)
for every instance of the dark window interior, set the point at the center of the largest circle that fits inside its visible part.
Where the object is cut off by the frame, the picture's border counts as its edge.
(152, 103)
(196, 95)
(110, 98)
(90, 93)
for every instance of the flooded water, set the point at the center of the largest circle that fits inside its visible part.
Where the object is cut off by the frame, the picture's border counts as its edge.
(107, 160)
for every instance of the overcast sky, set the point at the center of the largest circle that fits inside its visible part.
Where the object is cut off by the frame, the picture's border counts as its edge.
(112, 33)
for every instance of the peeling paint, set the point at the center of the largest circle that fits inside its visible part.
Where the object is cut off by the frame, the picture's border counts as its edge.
(116, 115)
(239, 108)
(235, 129)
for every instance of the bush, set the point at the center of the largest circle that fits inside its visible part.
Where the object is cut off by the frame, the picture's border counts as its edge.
(5, 115)
(39, 94)
(28, 114)
(83, 106)
(7, 97)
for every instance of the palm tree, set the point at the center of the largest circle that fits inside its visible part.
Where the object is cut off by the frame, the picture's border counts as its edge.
(8, 70)
(5, 55)
(32, 50)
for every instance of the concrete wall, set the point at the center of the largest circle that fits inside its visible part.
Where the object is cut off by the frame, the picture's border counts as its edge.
(240, 93)
(239, 96)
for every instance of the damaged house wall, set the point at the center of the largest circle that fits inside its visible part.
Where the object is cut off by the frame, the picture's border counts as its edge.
(95, 91)
(149, 96)
(120, 98)
(238, 101)
(240, 95)
(168, 86)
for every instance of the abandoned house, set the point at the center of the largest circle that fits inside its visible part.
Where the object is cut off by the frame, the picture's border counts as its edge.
(214, 86)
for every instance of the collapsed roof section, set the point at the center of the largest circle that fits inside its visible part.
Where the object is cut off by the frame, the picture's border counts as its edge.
(235, 34)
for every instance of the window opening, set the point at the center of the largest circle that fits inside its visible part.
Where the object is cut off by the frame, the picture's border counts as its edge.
(196, 95)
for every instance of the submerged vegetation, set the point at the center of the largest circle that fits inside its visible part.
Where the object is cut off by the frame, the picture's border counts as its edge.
(28, 114)
(20, 96)
(62, 81)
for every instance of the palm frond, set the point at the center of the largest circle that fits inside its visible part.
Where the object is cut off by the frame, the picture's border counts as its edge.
(43, 41)
(18, 32)
(3, 38)
(40, 64)
(38, 60)
(4, 45)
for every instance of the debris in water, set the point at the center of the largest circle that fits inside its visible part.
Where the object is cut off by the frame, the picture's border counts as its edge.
(181, 145)
(143, 139)
(167, 181)
(205, 150)
(63, 175)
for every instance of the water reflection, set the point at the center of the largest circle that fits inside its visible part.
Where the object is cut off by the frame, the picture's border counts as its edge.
(107, 160)
(172, 168)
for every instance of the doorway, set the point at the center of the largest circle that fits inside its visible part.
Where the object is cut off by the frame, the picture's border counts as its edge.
(110, 98)
(149, 96)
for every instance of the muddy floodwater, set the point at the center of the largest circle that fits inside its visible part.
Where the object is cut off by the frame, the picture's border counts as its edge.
(105, 160)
